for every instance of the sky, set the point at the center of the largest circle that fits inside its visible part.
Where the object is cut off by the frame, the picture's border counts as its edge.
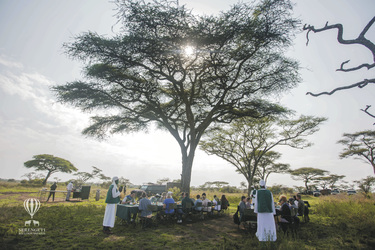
(32, 122)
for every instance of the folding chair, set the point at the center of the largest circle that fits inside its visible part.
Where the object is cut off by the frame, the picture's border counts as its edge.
(188, 210)
(200, 212)
(207, 209)
(170, 216)
(249, 219)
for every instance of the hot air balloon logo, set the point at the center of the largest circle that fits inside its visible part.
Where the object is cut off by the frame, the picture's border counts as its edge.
(31, 206)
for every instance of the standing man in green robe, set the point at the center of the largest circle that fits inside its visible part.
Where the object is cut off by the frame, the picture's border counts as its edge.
(264, 207)
(112, 199)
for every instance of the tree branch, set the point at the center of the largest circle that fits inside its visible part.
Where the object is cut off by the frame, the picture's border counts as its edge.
(360, 84)
(364, 65)
(359, 40)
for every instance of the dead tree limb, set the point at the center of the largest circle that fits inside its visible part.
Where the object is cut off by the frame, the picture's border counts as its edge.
(366, 111)
(360, 84)
(364, 65)
(360, 40)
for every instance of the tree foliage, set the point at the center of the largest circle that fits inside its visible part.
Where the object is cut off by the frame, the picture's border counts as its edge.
(245, 142)
(142, 75)
(307, 174)
(329, 181)
(366, 184)
(163, 180)
(83, 177)
(360, 145)
(51, 164)
(267, 165)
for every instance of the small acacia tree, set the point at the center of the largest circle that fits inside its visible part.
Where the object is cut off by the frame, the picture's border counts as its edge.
(307, 174)
(182, 71)
(366, 184)
(246, 141)
(51, 164)
(360, 145)
(83, 177)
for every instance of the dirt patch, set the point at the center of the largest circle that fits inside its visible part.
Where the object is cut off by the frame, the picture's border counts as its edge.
(213, 228)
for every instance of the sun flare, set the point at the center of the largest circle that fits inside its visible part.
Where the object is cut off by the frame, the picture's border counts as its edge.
(188, 50)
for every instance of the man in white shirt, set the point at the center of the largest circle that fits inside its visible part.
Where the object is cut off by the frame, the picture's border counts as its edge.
(69, 189)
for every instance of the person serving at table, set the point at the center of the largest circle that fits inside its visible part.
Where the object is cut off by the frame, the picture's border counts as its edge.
(110, 211)
(265, 209)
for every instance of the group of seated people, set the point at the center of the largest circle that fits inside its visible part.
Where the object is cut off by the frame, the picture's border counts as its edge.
(188, 205)
(288, 211)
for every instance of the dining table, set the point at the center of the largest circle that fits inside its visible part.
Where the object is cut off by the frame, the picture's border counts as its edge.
(124, 211)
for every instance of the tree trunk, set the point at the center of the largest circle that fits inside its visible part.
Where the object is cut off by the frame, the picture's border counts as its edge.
(187, 165)
(249, 188)
(45, 180)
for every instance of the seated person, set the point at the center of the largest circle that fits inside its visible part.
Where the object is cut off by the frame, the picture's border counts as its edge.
(224, 202)
(215, 202)
(285, 213)
(166, 203)
(242, 207)
(130, 199)
(154, 198)
(248, 203)
(163, 197)
(293, 209)
(198, 200)
(303, 210)
(205, 202)
(182, 196)
(143, 206)
(186, 200)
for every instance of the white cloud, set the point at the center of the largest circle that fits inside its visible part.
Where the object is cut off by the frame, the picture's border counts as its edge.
(10, 64)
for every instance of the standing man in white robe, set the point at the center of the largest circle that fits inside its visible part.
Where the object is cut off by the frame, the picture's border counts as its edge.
(265, 209)
(113, 198)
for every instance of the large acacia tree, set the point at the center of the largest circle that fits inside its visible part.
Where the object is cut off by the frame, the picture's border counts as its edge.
(246, 141)
(51, 164)
(182, 71)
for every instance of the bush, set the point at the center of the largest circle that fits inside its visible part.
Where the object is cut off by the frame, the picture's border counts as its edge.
(32, 183)
(229, 189)
(175, 193)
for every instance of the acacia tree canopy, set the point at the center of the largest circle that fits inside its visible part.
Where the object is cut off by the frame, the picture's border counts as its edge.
(307, 174)
(142, 75)
(267, 165)
(245, 142)
(51, 164)
(366, 184)
(360, 145)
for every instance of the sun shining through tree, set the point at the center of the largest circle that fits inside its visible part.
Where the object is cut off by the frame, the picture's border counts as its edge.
(189, 51)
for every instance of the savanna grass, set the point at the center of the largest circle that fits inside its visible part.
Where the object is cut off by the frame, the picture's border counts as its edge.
(335, 222)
